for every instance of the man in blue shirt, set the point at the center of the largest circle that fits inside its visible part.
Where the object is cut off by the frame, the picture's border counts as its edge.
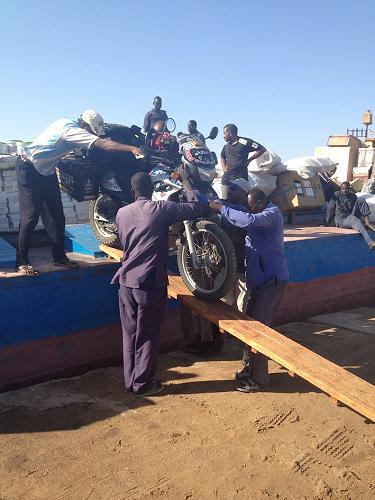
(266, 272)
(143, 278)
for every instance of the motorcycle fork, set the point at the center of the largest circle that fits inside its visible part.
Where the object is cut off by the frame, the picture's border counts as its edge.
(190, 242)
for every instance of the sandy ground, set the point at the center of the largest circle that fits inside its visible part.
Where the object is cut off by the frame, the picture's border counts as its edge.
(84, 438)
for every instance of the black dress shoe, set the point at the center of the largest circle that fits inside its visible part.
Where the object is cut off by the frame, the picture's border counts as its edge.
(150, 389)
(69, 264)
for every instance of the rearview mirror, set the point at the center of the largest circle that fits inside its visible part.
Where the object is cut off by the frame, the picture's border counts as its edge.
(213, 133)
(170, 125)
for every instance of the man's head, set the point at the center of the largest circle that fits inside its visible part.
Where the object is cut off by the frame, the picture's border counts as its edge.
(157, 102)
(230, 133)
(192, 126)
(92, 121)
(141, 185)
(256, 200)
(237, 195)
(345, 188)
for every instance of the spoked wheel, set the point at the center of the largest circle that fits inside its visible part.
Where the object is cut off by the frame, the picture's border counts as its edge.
(102, 212)
(216, 258)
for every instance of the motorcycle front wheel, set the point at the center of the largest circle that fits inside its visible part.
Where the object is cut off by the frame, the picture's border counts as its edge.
(102, 213)
(217, 261)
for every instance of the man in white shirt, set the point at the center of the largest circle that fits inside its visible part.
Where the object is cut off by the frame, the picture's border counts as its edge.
(38, 188)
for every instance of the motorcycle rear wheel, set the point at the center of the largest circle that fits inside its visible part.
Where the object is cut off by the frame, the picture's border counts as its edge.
(106, 233)
(217, 259)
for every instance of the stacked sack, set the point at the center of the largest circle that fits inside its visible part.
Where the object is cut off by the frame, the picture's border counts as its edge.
(262, 174)
(308, 166)
(264, 170)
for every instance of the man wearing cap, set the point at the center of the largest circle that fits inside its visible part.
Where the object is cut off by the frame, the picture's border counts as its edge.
(38, 188)
(154, 115)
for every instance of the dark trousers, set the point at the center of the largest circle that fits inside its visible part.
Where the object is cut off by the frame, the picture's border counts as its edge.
(352, 222)
(262, 306)
(39, 195)
(141, 313)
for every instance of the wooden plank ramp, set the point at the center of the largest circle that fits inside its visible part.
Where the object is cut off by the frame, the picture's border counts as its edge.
(341, 385)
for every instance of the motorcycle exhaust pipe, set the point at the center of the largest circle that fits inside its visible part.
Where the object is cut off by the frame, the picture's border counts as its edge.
(189, 238)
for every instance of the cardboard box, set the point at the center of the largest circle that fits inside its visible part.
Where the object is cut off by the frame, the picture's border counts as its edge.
(345, 156)
(293, 192)
(344, 140)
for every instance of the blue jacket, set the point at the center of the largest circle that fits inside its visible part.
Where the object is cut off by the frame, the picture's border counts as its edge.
(264, 243)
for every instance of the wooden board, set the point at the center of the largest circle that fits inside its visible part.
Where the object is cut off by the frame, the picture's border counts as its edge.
(115, 253)
(341, 385)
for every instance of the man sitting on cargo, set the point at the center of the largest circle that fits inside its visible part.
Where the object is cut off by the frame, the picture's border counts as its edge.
(347, 211)
(235, 154)
(38, 188)
(266, 273)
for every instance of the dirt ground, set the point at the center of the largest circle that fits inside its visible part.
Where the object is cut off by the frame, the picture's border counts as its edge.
(84, 438)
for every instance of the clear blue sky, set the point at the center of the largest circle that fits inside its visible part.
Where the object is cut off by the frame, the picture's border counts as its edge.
(288, 73)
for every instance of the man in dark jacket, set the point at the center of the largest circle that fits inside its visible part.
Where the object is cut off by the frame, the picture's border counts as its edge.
(143, 231)
(154, 115)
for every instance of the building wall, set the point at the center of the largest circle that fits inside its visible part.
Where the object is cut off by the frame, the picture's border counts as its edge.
(9, 208)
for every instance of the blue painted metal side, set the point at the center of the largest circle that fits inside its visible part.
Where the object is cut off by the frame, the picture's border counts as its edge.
(60, 302)
(56, 303)
(321, 257)
(79, 238)
(7, 254)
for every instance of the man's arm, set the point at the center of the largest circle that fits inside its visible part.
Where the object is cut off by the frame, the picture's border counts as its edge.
(176, 212)
(147, 122)
(192, 209)
(241, 219)
(330, 212)
(258, 148)
(224, 160)
(116, 147)
(368, 223)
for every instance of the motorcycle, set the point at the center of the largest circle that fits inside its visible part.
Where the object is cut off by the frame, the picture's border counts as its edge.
(206, 257)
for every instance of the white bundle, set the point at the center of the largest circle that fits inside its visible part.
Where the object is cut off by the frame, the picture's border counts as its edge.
(262, 180)
(268, 162)
(308, 166)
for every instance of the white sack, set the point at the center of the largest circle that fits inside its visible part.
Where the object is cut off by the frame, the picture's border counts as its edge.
(308, 166)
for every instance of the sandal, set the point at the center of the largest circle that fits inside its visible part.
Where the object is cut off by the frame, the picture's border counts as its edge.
(249, 386)
(27, 270)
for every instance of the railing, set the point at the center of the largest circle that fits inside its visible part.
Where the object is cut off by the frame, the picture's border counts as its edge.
(357, 132)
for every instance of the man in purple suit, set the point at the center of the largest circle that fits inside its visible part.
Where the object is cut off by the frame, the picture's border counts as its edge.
(143, 231)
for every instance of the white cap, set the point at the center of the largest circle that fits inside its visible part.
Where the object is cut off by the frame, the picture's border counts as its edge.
(95, 120)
